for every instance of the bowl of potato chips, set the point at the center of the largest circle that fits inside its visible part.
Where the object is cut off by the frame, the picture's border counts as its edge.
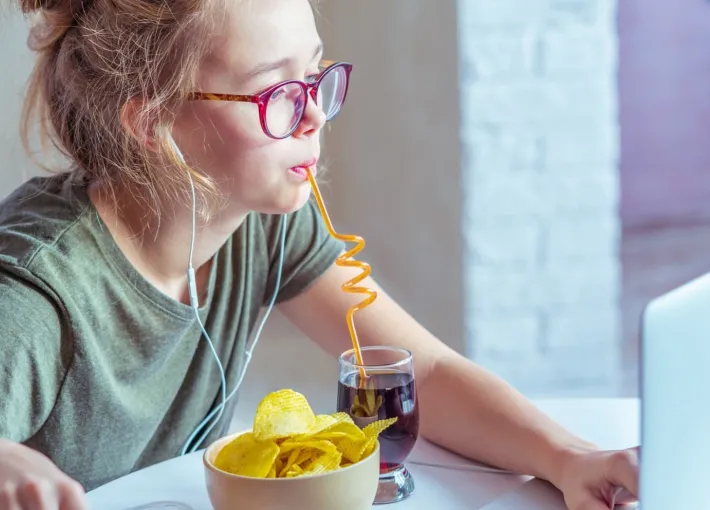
(292, 458)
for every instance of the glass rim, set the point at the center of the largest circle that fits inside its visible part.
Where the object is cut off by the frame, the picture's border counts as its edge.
(351, 352)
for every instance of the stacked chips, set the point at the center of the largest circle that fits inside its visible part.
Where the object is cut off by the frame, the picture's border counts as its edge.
(288, 440)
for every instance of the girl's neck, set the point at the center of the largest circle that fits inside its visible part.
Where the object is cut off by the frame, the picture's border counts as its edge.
(159, 245)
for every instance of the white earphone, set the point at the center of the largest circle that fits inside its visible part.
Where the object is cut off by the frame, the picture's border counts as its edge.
(194, 303)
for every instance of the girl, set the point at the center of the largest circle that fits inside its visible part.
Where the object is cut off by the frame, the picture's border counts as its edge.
(105, 357)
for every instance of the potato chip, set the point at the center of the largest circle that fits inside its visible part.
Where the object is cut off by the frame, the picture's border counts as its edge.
(342, 417)
(323, 422)
(339, 431)
(292, 444)
(294, 471)
(375, 428)
(289, 440)
(323, 463)
(369, 447)
(281, 414)
(293, 458)
(248, 457)
(351, 449)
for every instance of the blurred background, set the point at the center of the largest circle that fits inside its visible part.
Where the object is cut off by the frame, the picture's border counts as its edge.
(527, 175)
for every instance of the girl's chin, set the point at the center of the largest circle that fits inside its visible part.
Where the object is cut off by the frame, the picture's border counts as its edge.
(287, 203)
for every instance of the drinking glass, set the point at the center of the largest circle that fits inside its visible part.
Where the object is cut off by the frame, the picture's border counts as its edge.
(388, 391)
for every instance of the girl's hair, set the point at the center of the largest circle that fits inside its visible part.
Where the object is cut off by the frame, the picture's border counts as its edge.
(93, 57)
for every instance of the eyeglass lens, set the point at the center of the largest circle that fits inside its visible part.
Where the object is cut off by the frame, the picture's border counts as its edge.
(287, 103)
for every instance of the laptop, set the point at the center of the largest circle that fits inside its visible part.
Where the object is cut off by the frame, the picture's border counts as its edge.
(675, 409)
(675, 399)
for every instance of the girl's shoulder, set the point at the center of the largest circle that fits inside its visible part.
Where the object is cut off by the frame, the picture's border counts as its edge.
(38, 215)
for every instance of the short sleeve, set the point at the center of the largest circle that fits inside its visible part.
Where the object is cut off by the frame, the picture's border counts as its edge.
(32, 363)
(309, 250)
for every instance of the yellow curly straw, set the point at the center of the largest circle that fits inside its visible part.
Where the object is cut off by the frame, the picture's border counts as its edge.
(346, 260)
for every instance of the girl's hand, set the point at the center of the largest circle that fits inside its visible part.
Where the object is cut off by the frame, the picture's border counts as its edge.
(30, 481)
(597, 480)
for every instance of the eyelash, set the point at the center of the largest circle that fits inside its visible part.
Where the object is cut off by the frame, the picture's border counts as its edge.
(310, 78)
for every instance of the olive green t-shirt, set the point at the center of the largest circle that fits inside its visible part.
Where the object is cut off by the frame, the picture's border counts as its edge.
(101, 371)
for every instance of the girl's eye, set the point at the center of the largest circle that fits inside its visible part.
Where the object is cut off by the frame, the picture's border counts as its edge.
(277, 94)
(311, 78)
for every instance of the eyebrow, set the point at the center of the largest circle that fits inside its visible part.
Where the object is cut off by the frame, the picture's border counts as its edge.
(272, 66)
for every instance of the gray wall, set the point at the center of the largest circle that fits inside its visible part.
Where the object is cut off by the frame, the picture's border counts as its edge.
(394, 153)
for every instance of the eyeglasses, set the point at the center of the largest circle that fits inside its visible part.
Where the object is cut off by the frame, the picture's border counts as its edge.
(282, 106)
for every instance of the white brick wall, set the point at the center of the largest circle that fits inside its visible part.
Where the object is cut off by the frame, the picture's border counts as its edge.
(540, 142)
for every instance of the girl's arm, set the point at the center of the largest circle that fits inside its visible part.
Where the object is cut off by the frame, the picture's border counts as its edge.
(462, 406)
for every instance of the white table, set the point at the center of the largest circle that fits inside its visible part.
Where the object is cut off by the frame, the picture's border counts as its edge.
(611, 423)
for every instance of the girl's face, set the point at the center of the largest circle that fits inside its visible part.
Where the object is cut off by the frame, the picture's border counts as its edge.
(259, 43)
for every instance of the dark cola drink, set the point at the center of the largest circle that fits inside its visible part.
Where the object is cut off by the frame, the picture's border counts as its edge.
(385, 394)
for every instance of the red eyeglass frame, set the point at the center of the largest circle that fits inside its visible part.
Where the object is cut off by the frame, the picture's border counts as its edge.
(262, 98)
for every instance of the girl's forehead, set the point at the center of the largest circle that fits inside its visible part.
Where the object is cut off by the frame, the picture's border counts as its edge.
(255, 32)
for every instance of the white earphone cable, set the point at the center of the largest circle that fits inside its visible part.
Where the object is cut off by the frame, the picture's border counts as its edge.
(194, 303)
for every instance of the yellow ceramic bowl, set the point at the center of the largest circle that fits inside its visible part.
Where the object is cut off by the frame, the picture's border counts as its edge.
(349, 488)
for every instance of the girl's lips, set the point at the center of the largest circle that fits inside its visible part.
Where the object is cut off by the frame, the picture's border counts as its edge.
(301, 171)
(310, 162)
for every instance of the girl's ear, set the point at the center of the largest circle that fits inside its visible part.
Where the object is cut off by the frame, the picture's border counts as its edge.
(136, 121)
